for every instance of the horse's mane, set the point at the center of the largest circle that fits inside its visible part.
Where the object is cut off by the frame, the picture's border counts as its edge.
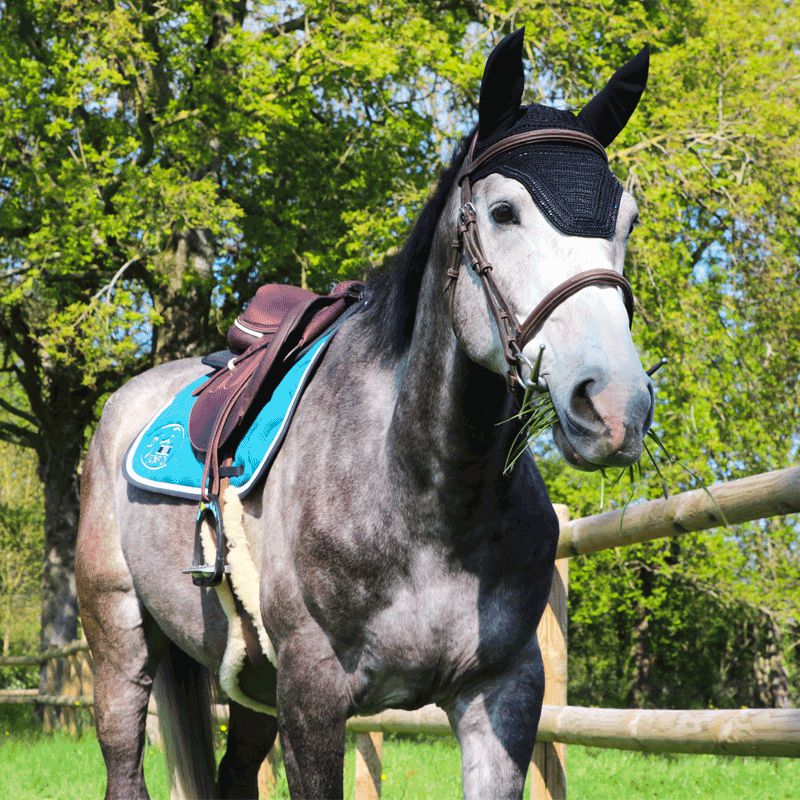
(393, 291)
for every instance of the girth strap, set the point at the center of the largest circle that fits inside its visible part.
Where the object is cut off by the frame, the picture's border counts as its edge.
(513, 335)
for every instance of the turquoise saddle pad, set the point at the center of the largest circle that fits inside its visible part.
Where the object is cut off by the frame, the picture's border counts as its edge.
(162, 459)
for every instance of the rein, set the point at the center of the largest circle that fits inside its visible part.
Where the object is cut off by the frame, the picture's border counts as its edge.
(513, 334)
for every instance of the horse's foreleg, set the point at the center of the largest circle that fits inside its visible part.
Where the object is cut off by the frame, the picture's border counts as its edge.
(250, 737)
(495, 723)
(312, 712)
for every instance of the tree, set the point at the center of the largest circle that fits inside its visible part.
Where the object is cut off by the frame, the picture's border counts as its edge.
(160, 160)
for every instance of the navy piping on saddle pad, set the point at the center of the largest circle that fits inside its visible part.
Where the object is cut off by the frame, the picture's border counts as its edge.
(161, 458)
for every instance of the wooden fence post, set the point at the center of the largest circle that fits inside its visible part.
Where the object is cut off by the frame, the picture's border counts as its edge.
(69, 686)
(85, 678)
(52, 679)
(548, 775)
(268, 773)
(369, 753)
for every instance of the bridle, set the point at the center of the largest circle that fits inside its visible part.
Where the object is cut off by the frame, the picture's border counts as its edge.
(514, 335)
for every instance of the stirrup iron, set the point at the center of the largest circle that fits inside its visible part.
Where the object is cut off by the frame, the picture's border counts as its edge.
(209, 574)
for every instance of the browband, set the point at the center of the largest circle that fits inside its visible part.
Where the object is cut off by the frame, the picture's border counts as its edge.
(539, 136)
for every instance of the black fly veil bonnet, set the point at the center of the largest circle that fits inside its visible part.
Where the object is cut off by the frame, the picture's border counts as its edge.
(569, 182)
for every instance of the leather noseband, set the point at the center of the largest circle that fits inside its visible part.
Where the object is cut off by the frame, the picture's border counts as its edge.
(514, 335)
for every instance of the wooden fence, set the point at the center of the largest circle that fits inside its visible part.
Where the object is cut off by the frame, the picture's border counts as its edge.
(68, 686)
(755, 732)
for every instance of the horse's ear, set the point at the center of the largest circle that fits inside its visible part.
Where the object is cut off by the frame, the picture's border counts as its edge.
(502, 85)
(607, 113)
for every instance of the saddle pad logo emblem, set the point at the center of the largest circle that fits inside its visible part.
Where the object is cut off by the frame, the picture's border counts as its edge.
(162, 446)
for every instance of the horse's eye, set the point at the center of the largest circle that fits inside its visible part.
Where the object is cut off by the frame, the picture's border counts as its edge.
(503, 214)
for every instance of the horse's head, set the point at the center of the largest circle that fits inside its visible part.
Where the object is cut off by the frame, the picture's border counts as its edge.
(537, 205)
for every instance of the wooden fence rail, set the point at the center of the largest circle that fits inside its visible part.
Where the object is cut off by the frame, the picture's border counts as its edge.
(770, 494)
(33, 697)
(54, 653)
(743, 732)
(753, 732)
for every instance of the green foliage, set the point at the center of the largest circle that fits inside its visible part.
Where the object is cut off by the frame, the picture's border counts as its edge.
(159, 161)
(21, 536)
(300, 151)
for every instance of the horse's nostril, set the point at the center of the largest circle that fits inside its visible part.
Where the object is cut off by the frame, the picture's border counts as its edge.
(580, 404)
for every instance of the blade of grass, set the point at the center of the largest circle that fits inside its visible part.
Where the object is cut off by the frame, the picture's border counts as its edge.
(701, 483)
(664, 488)
(602, 488)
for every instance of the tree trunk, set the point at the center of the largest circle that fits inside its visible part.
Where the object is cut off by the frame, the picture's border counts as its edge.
(184, 303)
(772, 681)
(641, 691)
(59, 463)
(59, 604)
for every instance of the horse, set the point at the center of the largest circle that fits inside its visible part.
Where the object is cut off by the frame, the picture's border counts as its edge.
(400, 563)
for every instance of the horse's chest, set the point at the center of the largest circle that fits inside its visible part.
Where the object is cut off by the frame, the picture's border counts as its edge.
(438, 629)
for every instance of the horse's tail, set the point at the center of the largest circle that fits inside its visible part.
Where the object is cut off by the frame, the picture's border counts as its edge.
(183, 695)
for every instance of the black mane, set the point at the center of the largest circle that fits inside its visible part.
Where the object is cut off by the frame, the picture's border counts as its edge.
(393, 292)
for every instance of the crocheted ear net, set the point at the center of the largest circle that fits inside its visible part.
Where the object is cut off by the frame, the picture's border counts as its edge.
(572, 185)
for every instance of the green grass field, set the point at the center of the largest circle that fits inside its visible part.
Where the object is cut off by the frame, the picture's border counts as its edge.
(57, 767)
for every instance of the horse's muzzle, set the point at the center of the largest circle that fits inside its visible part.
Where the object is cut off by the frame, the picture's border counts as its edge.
(603, 423)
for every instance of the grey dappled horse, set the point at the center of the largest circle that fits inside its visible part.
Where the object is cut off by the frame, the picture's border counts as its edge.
(398, 565)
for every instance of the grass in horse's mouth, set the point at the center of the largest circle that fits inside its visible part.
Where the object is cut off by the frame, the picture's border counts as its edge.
(538, 415)
(636, 474)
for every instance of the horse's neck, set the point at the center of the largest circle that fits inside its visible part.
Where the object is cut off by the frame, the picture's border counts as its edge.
(445, 437)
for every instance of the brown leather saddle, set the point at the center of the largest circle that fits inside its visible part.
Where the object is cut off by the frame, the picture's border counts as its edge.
(265, 340)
